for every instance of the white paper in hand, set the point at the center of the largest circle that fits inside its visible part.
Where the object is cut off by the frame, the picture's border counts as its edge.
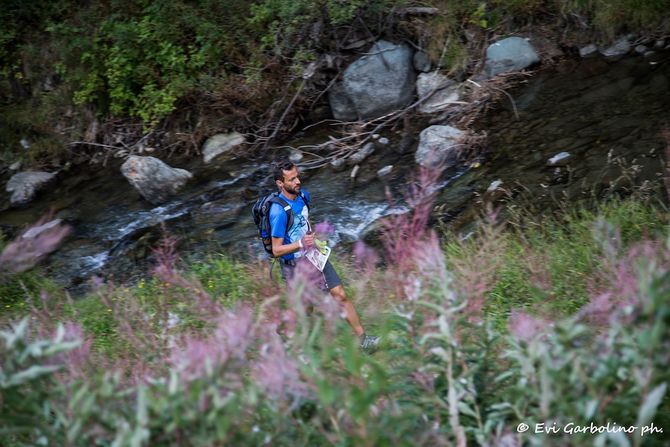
(317, 258)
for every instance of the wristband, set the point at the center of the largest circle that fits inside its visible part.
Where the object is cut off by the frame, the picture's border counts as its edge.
(300, 243)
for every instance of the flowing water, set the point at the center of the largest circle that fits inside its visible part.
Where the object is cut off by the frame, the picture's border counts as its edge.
(607, 115)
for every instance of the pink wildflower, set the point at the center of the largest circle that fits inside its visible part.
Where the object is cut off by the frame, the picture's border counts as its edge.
(202, 357)
(276, 372)
(523, 326)
(366, 258)
(33, 245)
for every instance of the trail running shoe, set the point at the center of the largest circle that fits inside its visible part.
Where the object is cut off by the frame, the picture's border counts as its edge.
(369, 342)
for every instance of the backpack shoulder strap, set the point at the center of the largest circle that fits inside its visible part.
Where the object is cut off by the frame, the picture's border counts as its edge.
(287, 208)
(304, 199)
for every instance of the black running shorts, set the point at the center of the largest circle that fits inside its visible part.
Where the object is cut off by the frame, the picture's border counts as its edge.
(330, 276)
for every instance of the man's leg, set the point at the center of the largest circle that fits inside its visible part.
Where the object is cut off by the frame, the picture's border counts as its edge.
(349, 310)
(334, 286)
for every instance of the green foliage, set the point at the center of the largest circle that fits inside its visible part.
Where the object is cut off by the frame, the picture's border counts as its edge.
(29, 120)
(147, 59)
(552, 267)
(124, 57)
(142, 63)
(97, 319)
(286, 26)
(17, 290)
(225, 280)
(447, 373)
(17, 18)
(564, 374)
(25, 379)
(613, 17)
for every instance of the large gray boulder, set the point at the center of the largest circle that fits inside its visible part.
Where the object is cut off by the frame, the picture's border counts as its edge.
(510, 54)
(24, 185)
(342, 107)
(444, 91)
(220, 144)
(153, 179)
(376, 84)
(438, 145)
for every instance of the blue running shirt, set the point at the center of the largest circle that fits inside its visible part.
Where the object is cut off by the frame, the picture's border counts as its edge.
(278, 221)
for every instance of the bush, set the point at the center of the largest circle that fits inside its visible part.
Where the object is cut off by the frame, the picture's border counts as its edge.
(453, 369)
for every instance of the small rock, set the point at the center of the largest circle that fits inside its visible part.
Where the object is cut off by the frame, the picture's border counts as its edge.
(25, 185)
(15, 166)
(494, 191)
(496, 184)
(438, 145)
(589, 50)
(559, 159)
(385, 171)
(329, 61)
(354, 171)
(443, 91)
(49, 84)
(154, 179)
(220, 144)
(383, 141)
(25, 143)
(421, 62)
(338, 164)
(375, 136)
(640, 49)
(659, 44)
(510, 54)
(620, 48)
(362, 154)
(295, 157)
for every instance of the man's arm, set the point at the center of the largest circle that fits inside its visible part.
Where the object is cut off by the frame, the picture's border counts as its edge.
(281, 249)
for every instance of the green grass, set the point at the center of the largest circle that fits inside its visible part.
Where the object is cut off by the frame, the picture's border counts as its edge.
(549, 265)
(17, 291)
(225, 280)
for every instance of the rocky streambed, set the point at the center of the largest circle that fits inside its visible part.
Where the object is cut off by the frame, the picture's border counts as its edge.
(584, 127)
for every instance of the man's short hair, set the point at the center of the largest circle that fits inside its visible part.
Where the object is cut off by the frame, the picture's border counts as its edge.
(279, 168)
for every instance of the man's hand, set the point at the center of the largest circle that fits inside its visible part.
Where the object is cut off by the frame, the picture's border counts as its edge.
(308, 240)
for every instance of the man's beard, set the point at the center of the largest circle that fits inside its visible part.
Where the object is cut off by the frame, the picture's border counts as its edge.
(292, 190)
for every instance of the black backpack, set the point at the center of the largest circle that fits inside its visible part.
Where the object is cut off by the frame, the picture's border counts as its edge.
(261, 213)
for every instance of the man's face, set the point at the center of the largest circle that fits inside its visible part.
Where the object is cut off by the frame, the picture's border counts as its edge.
(291, 182)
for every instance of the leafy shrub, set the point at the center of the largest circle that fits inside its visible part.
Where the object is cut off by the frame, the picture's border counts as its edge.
(26, 378)
(445, 376)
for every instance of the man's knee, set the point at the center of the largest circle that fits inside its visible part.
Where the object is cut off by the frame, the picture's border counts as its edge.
(338, 293)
